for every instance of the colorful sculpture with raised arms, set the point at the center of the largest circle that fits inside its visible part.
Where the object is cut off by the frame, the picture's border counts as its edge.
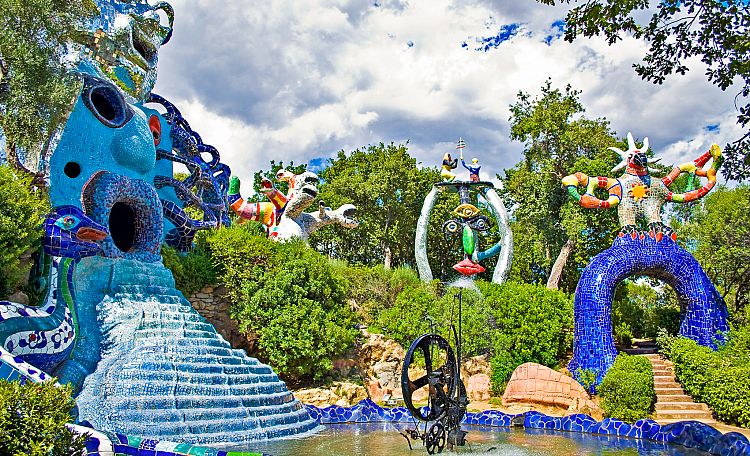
(284, 216)
(639, 196)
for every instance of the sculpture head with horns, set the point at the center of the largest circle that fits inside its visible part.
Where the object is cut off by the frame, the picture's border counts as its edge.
(634, 160)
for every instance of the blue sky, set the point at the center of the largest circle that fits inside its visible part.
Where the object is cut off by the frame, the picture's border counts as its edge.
(300, 80)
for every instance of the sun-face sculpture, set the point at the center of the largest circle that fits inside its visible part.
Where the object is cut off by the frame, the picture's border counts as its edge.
(636, 194)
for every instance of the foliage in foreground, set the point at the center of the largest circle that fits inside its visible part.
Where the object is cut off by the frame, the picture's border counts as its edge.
(21, 214)
(33, 420)
(529, 323)
(627, 391)
(719, 378)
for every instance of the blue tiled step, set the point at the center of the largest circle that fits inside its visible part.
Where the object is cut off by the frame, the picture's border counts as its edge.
(158, 403)
(162, 355)
(247, 435)
(191, 349)
(169, 374)
(193, 389)
(229, 423)
(166, 326)
(198, 414)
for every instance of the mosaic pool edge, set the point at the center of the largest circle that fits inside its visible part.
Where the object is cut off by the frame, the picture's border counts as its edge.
(690, 434)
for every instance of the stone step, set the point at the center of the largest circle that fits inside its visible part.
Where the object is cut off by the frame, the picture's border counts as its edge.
(669, 406)
(672, 398)
(709, 421)
(683, 414)
(639, 351)
(666, 384)
(670, 391)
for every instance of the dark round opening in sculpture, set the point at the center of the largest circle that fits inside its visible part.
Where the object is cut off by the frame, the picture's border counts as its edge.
(106, 104)
(122, 226)
(72, 170)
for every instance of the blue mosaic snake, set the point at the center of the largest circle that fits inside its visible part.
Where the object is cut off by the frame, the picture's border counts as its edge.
(44, 335)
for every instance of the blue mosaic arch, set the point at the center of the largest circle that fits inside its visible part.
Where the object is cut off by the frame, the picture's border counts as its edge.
(704, 316)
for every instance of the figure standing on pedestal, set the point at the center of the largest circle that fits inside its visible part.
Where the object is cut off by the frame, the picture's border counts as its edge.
(473, 169)
(449, 163)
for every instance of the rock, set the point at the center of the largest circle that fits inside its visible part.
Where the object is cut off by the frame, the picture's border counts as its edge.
(475, 365)
(478, 387)
(537, 384)
(380, 362)
(587, 407)
(20, 297)
(343, 394)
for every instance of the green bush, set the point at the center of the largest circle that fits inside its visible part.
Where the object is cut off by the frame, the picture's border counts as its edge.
(623, 334)
(719, 378)
(33, 420)
(627, 391)
(527, 323)
(192, 271)
(22, 211)
(290, 296)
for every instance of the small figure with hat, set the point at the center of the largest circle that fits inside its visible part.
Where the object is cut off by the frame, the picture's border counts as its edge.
(474, 167)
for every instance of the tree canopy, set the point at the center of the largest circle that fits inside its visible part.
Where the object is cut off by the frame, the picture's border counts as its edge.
(559, 141)
(716, 31)
(36, 91)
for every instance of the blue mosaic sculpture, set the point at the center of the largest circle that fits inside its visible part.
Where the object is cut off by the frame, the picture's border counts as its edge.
(143, 362)
(44, 335)
(653, 253)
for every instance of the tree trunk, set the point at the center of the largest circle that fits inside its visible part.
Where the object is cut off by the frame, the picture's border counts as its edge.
(387, 257)
(553, 283)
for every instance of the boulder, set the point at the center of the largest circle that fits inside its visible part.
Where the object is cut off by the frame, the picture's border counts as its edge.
(343, 394)
(536, 384)
(380, 362)
(20, 297)
(478, 388)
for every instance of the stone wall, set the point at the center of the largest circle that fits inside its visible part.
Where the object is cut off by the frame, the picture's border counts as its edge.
(213, 304)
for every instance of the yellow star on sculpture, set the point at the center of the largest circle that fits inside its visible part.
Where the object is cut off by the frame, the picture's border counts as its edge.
(638, 192)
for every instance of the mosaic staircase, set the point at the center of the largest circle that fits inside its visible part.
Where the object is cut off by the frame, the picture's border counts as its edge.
(165, 373)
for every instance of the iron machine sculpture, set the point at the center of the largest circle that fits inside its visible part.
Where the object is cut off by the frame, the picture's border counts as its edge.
(441, 373)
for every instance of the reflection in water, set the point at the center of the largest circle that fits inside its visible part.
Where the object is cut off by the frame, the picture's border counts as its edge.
(383, 439)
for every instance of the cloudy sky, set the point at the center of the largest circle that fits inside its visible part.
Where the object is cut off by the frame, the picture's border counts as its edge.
(301, 80)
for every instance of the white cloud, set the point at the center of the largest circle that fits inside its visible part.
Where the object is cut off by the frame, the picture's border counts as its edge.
(296, 80)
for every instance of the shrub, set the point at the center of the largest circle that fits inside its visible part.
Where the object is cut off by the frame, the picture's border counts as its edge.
(292, 298)
(719, 378)
(21, 214)
(33, 419)
(627, 391)
(192, 271)
(623, 334)
(527, 323)
(587, 377)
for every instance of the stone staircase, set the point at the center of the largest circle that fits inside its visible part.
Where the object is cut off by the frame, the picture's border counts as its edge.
(672, 404)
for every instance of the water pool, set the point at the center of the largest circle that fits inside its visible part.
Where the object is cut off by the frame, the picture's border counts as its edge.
(383, 439)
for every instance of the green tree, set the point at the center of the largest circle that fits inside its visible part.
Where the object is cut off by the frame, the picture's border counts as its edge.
(36, 91)
(716, 31)
(270, 174)
(547, 225)
(388, 188)
(719, 234)
(21, 213)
